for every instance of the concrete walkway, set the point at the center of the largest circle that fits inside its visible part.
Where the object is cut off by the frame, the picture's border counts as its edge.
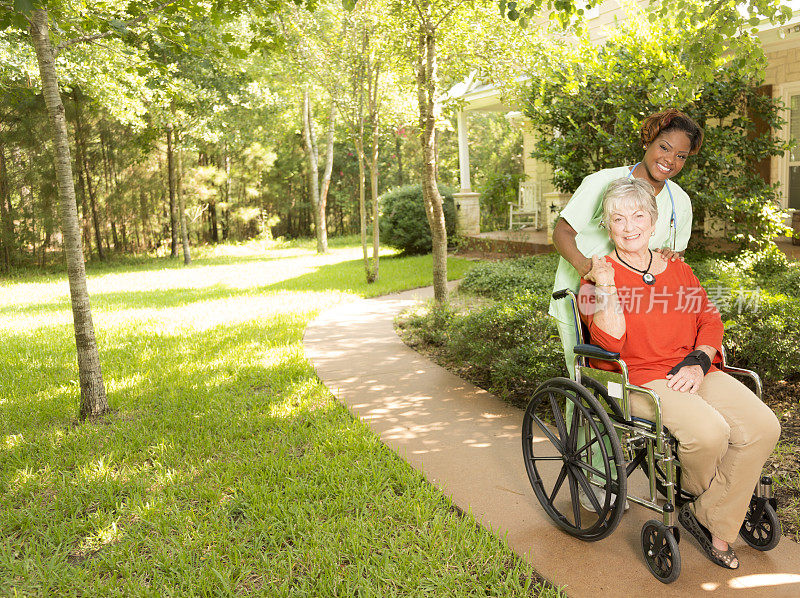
(467, 442)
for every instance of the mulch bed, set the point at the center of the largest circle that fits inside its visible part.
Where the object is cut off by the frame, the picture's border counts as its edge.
(784, 465)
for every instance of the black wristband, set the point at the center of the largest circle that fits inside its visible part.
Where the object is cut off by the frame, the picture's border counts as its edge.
(696, 357)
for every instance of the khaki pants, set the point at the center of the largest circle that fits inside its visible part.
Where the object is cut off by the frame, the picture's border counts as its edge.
(725, 434)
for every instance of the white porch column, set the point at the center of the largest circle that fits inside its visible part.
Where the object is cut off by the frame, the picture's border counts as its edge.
(463, 152)
(468, 207)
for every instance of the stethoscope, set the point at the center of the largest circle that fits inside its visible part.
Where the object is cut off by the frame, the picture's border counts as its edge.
(673, 231)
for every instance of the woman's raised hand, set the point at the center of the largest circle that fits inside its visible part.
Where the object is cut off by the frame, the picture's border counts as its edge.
(602, 273)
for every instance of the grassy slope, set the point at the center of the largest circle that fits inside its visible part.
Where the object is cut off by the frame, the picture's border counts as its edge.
(227, 467)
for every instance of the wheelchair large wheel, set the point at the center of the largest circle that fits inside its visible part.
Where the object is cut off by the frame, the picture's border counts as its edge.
(558, 458)
(765, 533)
(660, 549)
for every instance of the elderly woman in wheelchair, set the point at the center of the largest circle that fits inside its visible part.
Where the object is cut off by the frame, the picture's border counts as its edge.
(653, 383)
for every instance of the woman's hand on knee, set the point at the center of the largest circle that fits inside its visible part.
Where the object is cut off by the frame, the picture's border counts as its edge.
(688, 379)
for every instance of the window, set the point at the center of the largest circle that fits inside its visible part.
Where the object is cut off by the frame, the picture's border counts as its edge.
(793, 184)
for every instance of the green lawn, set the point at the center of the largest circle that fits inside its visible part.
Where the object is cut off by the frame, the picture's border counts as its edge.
(227, 467)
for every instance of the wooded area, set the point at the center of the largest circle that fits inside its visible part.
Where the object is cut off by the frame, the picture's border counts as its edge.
(185, 122)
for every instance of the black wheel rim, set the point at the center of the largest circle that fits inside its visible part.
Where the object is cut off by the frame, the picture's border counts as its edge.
(763, 533)
(548, 444)
(659, 551)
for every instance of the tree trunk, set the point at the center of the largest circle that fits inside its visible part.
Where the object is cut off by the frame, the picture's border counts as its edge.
(83, 161)
(173, 210)
(98, 237)
(87, 229)
(362, 78)
(187, 256)
(426, 96)
(212, 221)
(326, 178)
(226, 227)
(93, 394)
(398, 150)
(312, 158)
(374, 113)
(112, 165)
(6, 223)
(48, 221)
(143, 214)
(362, 204)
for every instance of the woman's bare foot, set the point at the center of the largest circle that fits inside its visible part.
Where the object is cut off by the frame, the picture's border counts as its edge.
(722, 546)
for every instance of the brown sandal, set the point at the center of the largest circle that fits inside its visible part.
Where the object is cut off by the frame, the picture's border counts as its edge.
(723, 558)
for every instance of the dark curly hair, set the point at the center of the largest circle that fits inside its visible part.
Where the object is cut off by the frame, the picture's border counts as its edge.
(672, 120)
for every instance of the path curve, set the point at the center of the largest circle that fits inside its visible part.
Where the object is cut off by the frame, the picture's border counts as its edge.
(467, 442)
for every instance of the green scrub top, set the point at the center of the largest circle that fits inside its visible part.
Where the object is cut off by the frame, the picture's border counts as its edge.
(584, 212)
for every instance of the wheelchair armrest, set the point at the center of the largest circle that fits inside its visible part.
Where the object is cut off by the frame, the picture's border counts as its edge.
(595, 352)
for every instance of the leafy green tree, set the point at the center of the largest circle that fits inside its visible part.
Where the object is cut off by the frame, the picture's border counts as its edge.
(587, 103)
(55, 26)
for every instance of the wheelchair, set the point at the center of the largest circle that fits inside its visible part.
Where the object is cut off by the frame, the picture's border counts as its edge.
(557, 450)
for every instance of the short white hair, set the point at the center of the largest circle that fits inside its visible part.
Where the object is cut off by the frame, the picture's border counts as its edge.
(633, 192)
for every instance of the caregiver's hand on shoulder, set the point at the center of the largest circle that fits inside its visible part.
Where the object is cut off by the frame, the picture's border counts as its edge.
(670, 255)
(688, 379)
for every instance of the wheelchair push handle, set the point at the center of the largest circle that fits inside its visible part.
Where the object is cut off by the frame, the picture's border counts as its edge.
(562, 293)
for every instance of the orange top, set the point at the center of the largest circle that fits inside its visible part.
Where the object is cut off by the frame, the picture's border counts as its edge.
(663, 322)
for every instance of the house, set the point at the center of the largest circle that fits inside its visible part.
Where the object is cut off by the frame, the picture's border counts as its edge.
(781, 46)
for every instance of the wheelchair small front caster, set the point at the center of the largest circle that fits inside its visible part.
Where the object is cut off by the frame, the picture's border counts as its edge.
(761, 528)
(660, 549)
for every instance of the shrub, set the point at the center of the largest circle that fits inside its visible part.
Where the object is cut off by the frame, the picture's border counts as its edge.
(586, 105)
(766, 339)
(508, 344)
(513, 345)
(403, 222)
(755, 293)
(532, 275)
(430, 322)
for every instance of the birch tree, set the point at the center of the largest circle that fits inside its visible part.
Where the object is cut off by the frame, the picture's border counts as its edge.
(93, 393)
(318, 197)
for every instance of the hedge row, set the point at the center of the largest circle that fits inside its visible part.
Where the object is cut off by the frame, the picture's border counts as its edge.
(511, 343)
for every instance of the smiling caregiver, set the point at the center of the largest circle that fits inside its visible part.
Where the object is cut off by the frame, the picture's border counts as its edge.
(668, 138)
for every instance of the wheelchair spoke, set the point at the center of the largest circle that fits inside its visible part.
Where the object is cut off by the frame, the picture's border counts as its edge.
(591, 469)
(559, 419)
(587, 488)
(544, 428)
(561, 476)
(574, 427)
(573, 492)
(534, 459)
(587, 445)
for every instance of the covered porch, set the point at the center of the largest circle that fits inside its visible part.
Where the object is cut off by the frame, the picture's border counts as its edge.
(531, 218)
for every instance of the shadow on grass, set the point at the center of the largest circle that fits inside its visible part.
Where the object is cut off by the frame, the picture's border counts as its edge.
(396, 273)
(145, 263)
(196, 413)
